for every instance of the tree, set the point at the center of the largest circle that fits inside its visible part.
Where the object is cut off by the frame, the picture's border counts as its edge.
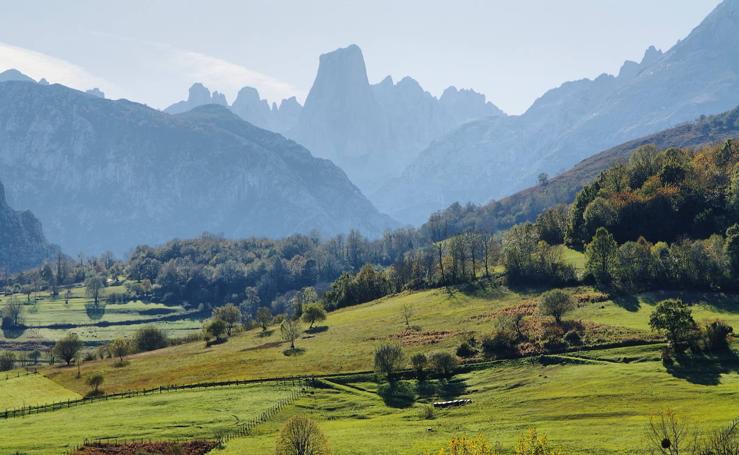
(543, 179)
(674, 319)
(407, 314)
(12, 315)
(120, 347)
(717, 336)
(443, 364)
(419, 362)
(149, 338)
(68, 348)
(67, 296)
(313, 312)
(216, 328)
(93, 287)
(668, 434)
(388, 360)
(229, 314)
(301, 436)
(250, 304)
(95, 381)
(731, 249)
(7, 361)
(35, 355)
(555, 303)
(264, 317)
(600, 254)
(290, 330)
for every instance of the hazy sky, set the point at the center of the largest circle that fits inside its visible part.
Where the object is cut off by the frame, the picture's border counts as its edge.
(512, 51)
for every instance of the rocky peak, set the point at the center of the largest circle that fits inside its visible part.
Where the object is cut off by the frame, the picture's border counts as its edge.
(96, 92)
(14, 75)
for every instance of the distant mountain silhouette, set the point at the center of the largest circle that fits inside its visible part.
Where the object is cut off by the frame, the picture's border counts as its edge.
(370, 131)
(494, 157)
(22, 242)
(104, 174)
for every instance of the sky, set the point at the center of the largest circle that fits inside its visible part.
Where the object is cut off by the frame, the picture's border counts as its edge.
(151, 51)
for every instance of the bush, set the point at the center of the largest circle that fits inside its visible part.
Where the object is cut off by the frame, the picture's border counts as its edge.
(500, 344)
(428, 412)
(532, 443)
(555, 303)
(388, 360)
(150, 338)
(419, 362)
(717, 336)
(7, 361)
(301, 435)
(573, 338)
(443, 364)
(465, 350)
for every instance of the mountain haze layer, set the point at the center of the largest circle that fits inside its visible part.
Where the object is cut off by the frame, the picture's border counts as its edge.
(372, 131)
(493, 157)
(106, 174)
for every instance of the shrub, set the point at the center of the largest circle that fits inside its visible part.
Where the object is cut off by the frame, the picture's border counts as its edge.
(555, 303)
(573, 338)
(428, 412)
(216, 328)
(95, 381)
(717, 336)
(301, 435)
(470, 446)
(388, 360)
(7, 361)
(500, 344)
(150, 338)
(419, 362)
(532, 443)
(465, 350)
(443, 364)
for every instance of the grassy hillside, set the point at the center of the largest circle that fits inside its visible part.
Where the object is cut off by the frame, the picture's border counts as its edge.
(49, 318)
(184, 414)
(19, 389)
(609, 401)
(443, 318)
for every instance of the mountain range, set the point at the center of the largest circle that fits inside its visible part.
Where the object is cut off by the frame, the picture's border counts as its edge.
(372, 131)
(104, 174)
(494, 157)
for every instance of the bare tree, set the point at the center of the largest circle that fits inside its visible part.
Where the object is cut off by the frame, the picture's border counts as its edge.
(408, 312)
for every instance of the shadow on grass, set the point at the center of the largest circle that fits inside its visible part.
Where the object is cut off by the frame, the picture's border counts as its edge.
(266, 333)
(317, 329)
(12, 333)
(704, 369)
(95, 312)
(719, 301)
(447, 390)
(627, 301)
(294, 352)
(397, 394)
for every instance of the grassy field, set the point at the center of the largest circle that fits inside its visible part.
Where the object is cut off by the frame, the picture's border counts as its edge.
(443, 318)
(19, 389)
(609, 401)
(170, 415)
(45, 310)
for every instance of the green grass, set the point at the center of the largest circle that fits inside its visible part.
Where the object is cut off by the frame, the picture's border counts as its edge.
(19, 389)
(44, 310)
(598, 408)
(445, 317)
(171, 415)
(633, 312)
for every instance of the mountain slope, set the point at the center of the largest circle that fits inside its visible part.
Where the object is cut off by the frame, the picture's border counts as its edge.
(106, 174)
(525, 205)
(491, 158)
(22, 242)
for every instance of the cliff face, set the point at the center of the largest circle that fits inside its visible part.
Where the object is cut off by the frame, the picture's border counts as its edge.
(22, 242)
(111, 175)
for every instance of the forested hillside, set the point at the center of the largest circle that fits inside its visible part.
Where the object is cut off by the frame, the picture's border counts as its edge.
(526, 205)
